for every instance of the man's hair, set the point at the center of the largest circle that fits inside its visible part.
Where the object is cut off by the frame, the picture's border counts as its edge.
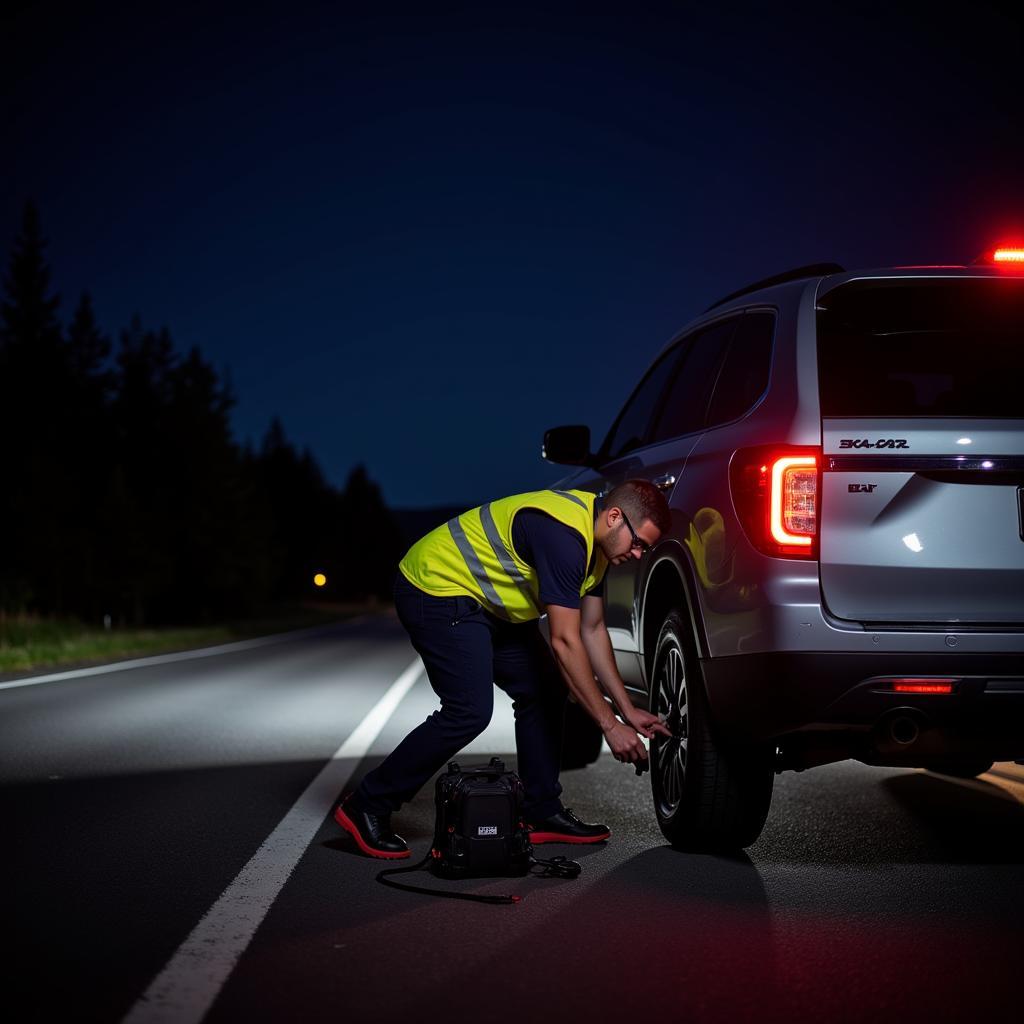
(641, 500)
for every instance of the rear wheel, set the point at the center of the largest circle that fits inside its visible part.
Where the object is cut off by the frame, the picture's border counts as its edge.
(707, 794)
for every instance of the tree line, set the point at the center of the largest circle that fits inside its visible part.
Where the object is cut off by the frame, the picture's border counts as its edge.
(125, 494)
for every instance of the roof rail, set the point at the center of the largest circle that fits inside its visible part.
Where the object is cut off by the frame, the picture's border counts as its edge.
(811, 270)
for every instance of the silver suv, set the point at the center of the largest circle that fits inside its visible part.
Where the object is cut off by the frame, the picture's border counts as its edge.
(843, 455)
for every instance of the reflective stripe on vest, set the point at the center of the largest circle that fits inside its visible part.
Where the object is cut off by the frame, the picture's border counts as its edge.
(473, 554)
(472, 560)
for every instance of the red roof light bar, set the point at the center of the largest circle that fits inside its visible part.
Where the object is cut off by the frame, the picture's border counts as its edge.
(1008, 254)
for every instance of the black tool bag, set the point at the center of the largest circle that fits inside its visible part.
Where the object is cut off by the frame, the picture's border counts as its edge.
(479, 830)
(479, 833)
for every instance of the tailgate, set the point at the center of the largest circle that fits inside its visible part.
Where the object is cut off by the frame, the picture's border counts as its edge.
(922, 399)
(921, 531)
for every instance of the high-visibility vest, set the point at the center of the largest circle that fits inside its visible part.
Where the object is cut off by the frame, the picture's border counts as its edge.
(473, 554)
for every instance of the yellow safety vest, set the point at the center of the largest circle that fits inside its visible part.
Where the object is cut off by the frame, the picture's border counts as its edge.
(473, 554)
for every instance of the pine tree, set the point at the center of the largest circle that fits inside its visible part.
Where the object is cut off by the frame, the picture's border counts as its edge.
(368, 568)
(89, 445)
(89, 350)
(220, 566)
(139, 504)
(34, 380)
(30, 311)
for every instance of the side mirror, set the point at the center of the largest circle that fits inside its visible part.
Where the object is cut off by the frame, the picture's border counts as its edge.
(568, 446)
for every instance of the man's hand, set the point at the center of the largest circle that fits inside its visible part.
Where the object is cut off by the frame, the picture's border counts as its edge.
(647, 724)
(625, 744)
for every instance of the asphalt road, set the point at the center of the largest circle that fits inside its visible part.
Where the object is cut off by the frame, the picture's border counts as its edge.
(168, 854)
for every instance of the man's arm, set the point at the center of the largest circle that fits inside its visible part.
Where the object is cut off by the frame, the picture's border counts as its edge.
(574, 662)
(598, 645)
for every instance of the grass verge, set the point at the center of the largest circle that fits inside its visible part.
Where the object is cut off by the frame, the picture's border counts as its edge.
(28, 643)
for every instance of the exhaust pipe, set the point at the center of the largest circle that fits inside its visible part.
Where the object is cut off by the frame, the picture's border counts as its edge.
(903, 730)
(897, 731)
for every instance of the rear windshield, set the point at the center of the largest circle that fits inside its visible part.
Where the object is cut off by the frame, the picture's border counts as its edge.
(923, 348)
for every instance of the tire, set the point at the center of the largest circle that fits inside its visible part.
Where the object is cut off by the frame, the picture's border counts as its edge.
(707, 794)
(961, 769)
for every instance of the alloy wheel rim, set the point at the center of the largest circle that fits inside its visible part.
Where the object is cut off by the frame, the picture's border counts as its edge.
(669, 755)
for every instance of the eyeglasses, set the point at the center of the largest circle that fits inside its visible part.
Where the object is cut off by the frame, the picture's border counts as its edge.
(638, 543)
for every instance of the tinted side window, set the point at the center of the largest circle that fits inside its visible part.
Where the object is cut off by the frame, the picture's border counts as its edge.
(630, 430)
(744, 375)
(686, 404)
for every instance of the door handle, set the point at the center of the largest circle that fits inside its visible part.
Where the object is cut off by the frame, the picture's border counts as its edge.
(664, 483)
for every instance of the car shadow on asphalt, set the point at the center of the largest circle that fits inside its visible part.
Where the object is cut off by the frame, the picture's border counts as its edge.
(962, 821)
(853, 815)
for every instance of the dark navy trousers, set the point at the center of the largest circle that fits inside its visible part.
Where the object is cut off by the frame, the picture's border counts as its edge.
(465, 651)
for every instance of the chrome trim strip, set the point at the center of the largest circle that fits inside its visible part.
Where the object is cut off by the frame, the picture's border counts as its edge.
(924, 463)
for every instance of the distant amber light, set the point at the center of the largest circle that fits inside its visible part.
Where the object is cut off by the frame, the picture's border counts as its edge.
(1008, 256)
(320, 579)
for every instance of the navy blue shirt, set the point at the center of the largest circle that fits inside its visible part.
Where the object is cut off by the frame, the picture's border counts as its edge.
(558, 553)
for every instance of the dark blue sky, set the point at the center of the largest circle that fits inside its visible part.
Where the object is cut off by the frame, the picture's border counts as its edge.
(421, 238)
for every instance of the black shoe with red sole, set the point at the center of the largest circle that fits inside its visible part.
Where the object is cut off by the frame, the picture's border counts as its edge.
(565, 827)
(372, 832)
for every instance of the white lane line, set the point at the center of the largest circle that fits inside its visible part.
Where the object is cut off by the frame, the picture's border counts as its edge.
(163, 659)
(184, 990)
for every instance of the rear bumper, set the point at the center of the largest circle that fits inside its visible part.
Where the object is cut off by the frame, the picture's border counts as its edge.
(765, 697)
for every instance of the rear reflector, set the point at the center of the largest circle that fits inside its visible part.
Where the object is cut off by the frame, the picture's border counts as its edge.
(922, 685)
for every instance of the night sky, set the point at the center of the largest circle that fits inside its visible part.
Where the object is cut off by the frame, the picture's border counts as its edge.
(422, 238)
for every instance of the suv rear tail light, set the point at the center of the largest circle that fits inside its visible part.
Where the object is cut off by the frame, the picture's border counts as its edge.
(777, 494)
